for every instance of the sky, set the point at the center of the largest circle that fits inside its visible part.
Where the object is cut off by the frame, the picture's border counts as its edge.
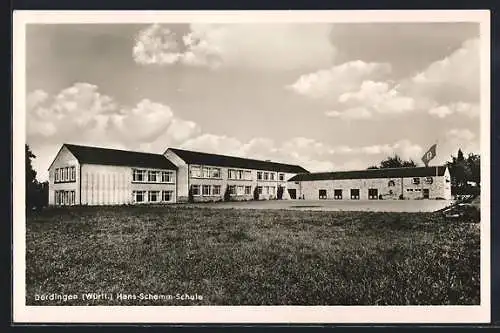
(325, 96)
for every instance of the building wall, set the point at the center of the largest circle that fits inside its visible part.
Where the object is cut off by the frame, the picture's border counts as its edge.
(63, 159)
(405, 186)
(114, 185)
(182, 175)
(185, 181)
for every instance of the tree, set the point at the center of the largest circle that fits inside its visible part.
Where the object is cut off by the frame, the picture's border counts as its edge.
(394, 162)
(227, 194)
(31, 182)
(256, 193)
(474, 166)
(463, 170)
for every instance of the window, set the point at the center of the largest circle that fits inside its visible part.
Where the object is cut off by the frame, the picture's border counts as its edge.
(240, 174)
(391, 183)
(232, 189)
(205, 189)
(167, 196)
(271, 190)
(196, 189)
(72, 198)
(337, 194)
(152, 176)
(259, 175)
(418, 190)
(231, 174)
(248, 175)
(66, 174)
(216, 190)
(272, 175)
(429, 180)
(138, 175)
(266, 175)
(355, 194)
(266, 189)
(409, 190)
(215, 173)
(73, 173)
(240, 190)
(322, 194)
(154, 196)
(167, 177)
(416, 181)
(205, 172)
(248, 190)
(56, 176)
(139, 196)
(195, 171)
(281, 176)
(259, 189)
(372, 194)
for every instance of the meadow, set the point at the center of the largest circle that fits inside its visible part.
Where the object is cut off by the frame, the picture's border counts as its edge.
(250, 257)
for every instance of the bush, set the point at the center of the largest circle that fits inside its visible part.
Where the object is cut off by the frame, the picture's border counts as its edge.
(227, 194)
(279, 193)
(256, 193)
(190, 195)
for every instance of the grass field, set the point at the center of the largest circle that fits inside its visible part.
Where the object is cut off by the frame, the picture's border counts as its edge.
(251, 257)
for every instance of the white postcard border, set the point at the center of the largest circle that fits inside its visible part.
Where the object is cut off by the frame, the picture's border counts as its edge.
(241, 314)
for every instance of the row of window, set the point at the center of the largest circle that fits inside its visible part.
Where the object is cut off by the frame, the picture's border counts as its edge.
(237, 174)
(152, 196)
(269, 176)
(415, 181)
(205, 172)
(64, 198)
(66, 174)
(152, 176)
(211, 190)
(206, 189)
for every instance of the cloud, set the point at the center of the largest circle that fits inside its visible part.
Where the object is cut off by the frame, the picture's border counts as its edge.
(81, 114)
(331, 83)
(352, 113)
(468, 109)
(460, 135)
(455, 77)
(156, 45)
(256, 46)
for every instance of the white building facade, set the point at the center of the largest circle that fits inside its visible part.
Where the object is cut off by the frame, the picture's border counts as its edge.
(81, 175)
(376, 184)
(209, 175)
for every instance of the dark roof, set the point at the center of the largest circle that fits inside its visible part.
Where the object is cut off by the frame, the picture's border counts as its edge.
(372, 173)
(104, 156)
(194, 157)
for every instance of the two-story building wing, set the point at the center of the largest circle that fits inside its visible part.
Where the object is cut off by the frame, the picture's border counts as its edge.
(208, 176)
(83, 175)
(373, 184)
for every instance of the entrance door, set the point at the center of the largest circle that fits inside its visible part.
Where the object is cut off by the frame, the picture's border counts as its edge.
(426, 193)
(293, 193)
(322, 194)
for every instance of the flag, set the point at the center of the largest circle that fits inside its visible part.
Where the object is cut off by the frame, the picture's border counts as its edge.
(429, 155)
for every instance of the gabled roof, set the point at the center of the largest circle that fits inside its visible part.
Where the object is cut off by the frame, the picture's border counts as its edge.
(105, 156)
(372, 173)
(194, 157)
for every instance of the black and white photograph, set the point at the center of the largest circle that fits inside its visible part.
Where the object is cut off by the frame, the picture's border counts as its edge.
(252, 167)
